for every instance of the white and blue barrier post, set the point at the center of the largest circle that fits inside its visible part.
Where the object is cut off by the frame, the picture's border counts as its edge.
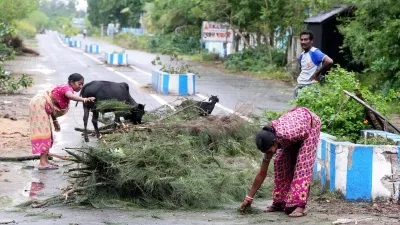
(92, 48)
(75, 43)
(177, 84)
(120, 59)
(359, 171)
(67, 40)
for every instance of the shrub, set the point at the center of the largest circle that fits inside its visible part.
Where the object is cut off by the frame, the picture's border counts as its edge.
(340, 115)
(38, 19)
(10, 83)
(6, 52)
(131, 41)
(174, 43)
(256, 60)
(24, 29)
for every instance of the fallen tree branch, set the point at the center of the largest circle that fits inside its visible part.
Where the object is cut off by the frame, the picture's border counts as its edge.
(77, 157)
(370, 108)
(64, 196)
(183, 109)
(19, 158)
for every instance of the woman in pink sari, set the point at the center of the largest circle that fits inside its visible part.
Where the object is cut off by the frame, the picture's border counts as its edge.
(46, 107)
(294, 138)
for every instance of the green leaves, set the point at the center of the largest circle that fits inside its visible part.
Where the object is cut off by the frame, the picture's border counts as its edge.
(373, 38)
(340, 115)
(124, 12)
(16, 9)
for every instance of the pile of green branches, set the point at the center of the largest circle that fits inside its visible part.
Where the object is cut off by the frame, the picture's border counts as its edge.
(178, 161)
(113, 105)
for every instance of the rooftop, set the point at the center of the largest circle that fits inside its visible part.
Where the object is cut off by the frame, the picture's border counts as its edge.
(328, 14)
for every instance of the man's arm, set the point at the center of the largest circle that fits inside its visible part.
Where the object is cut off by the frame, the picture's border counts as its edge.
(327, 63)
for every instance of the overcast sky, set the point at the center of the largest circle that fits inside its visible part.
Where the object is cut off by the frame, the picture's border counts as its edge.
(82, 5)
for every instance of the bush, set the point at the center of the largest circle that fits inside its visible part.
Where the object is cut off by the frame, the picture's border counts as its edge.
(38, 19)
(6, 52)
(9, 83)
(340, 115)
(25, 30)
(174, 43)
(256, 60)
(131, 41)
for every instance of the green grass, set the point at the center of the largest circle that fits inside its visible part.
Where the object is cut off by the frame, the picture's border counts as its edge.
(45, 215)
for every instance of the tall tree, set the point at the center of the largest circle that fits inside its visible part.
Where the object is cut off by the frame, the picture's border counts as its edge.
(374, 39)
(125, 12)
(54, 8)
(16, 9)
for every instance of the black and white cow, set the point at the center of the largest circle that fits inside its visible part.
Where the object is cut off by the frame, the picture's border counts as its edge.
(107, 90)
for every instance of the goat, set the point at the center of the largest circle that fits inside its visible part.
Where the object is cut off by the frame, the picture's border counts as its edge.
(205, 108)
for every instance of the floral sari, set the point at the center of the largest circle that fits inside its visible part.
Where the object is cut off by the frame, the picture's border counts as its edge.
(297, 133)
(52, 102)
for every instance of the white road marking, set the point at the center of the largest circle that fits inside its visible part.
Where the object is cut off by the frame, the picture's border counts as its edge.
(76, 50)
(93, 58)
(147, 73)
(162, 102)
(128, 78)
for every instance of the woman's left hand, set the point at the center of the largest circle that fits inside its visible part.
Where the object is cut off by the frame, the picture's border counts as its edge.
(57, 127)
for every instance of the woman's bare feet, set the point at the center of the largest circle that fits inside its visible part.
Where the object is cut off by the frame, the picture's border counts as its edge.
(298, 212)
(273, 208)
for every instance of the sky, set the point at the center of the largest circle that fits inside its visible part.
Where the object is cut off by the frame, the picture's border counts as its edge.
(82, 5)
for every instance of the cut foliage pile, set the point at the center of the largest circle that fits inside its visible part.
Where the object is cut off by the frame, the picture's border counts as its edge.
(178, 161)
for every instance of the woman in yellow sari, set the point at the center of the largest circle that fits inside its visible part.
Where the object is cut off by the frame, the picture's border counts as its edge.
(46, 107)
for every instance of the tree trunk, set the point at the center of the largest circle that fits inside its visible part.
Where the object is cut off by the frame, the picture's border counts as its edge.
(237, 40)
(246, 42)
(271, 40)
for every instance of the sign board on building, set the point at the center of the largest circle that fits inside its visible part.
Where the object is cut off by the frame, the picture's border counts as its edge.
(216, 32)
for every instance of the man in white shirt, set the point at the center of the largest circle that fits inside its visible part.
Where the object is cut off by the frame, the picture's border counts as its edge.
(84, 33)
(312, 62)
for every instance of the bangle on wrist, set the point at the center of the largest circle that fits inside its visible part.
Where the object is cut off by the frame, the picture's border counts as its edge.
(248, 198)
(84, 100)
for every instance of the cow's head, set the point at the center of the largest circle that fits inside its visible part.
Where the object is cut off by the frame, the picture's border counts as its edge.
(136, 114)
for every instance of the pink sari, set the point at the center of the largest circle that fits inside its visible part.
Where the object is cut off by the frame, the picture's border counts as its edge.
(52, 102)
(298, 134)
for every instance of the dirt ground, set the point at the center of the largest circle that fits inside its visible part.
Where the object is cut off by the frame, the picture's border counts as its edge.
(14, 129)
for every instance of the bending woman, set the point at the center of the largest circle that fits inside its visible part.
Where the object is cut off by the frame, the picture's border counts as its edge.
(294, 138)
(46, 107)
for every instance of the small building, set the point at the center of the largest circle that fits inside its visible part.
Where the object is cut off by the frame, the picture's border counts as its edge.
(326, 34)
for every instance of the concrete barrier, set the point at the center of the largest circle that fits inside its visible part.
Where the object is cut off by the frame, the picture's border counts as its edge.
(373, 133)
(75, 43)
(116, 58)
(67, 40)
(360, 172)
(93, 48)
(178, 84)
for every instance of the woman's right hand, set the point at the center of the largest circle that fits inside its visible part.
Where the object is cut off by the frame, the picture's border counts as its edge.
(57, 127)
(90, 99)
(245, 203)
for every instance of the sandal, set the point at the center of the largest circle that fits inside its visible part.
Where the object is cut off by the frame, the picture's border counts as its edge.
(53, 164)
(273, 208)
(48, 167)
(297, 213)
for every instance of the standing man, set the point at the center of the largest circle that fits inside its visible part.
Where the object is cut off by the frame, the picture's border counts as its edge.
(312, 62)
(84, 33)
